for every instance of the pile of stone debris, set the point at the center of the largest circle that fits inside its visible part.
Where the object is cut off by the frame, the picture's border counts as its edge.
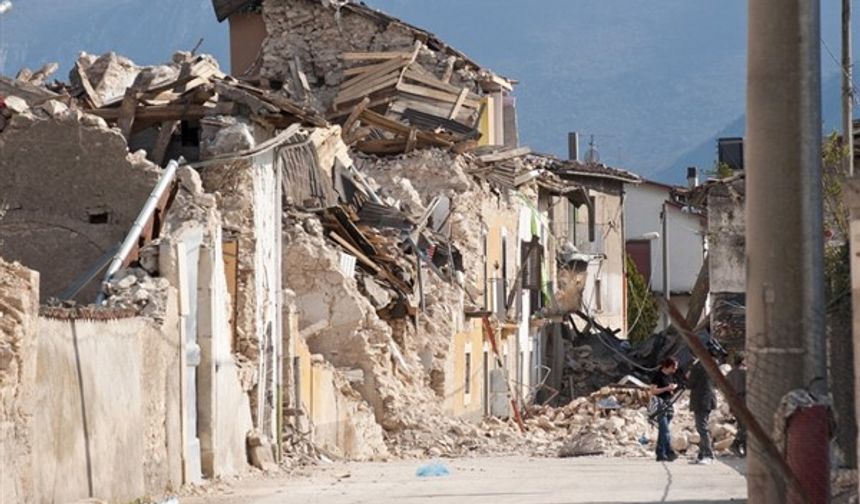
(611, 422)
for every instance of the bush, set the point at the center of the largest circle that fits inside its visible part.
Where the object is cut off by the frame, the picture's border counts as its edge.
(642, 311)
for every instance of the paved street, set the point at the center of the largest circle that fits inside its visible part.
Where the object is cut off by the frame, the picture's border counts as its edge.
(500, 481)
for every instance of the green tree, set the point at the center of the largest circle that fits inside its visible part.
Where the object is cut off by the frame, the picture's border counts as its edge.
(641, 307)
(720, 171)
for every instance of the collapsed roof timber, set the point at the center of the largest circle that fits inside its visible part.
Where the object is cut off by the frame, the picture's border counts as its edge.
(349, 213)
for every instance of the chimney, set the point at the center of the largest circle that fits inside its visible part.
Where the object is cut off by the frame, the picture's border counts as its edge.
(692, 177)
(573, 146)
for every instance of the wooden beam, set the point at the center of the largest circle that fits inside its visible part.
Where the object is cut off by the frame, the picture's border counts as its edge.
(127, 111)
(418, 74)
(370, 87)
(699, 295)
(435, 94)
(168, 112)
(383, 122)
(165, 133)
(363, 259)
(358, 56)
(411, 140)
(372, 74)
(353, 116)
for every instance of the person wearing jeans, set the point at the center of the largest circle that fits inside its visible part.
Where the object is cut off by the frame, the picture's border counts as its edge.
(662, 386)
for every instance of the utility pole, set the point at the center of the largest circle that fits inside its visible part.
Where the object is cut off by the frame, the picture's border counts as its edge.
(847, 89)
(784, 239)
(664, 240)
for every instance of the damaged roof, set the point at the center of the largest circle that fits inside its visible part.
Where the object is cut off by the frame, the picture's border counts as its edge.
(226, 8)
(596, 170)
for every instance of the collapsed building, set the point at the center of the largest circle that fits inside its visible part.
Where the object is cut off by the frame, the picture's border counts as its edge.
(341, 251)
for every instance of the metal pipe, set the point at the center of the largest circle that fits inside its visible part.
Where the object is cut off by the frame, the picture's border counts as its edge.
(784, 237)
(812, 203)
(137, 227)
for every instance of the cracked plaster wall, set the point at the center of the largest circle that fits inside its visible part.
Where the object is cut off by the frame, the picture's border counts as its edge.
(72, 190)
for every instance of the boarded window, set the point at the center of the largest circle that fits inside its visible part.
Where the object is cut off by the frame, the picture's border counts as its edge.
(530, 260)
(467, 387)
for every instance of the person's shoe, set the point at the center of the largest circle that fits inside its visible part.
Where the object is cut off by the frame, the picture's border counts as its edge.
(661, 459)
(736, 450)
(671, 457)
(705, 461)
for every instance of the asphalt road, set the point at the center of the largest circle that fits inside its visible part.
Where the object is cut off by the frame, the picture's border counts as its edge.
(499, 480)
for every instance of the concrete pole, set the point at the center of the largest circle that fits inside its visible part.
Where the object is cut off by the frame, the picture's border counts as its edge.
(847, 88)
(784, 236)
(664, 240)
(852, 201)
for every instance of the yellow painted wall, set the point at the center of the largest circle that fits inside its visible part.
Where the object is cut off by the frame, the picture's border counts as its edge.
(488, 121)
(457, 403)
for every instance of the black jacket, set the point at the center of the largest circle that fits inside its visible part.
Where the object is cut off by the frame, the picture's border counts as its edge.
(703, 398)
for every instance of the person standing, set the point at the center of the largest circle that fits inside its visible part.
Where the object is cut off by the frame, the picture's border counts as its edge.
(662, 386)
(703, 401)
(737, 378)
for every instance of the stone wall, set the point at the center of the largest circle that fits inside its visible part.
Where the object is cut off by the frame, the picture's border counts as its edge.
(727, 262)
(19, 298)
(72, 190)
(315, 35)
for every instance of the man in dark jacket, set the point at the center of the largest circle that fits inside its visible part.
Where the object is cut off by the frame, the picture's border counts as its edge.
(703, 400)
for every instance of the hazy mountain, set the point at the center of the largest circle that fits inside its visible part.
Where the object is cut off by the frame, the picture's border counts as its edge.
(655, 81)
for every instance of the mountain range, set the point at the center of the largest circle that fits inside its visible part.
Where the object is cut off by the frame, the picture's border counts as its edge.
(654, 82)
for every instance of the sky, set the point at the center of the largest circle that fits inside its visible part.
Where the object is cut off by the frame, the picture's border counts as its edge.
(654, 81)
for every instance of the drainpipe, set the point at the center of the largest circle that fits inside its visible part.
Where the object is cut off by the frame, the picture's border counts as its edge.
(137, 227)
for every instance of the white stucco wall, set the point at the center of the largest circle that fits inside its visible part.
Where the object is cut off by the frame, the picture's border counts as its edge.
(642, 208)
(267, 260)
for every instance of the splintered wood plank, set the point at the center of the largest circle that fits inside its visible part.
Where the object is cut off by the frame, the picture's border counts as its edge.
(370, 88)
(411, 140)
(418, 74)
(455, 110)
(353, 116)
(377, 101)
(358, 56)
(363, 259)
(373, 72)
(393, 126)
(434, 94)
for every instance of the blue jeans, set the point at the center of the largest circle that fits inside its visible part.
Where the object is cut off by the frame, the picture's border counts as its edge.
(664, 437)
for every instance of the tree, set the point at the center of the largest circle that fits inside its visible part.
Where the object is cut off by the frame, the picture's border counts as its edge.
(642, 311)
(837, 270)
